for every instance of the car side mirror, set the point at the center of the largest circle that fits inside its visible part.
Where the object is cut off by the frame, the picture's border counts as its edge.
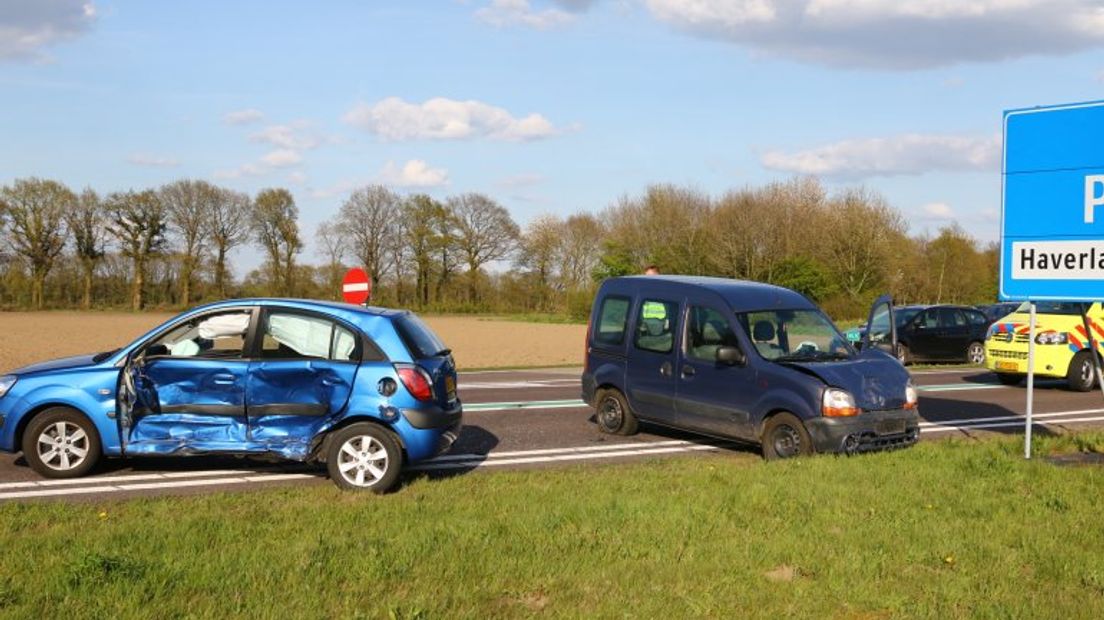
(731, 356)
(156, 350)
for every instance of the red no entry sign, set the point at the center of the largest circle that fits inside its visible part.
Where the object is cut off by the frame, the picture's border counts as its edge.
(357, 286)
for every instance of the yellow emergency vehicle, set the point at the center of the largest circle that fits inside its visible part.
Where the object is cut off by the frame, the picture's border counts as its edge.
(1061, 344)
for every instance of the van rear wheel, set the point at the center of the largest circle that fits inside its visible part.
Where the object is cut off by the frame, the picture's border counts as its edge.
(784, 437)
(613, 414)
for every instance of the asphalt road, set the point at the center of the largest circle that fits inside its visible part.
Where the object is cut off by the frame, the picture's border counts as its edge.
(533, 418)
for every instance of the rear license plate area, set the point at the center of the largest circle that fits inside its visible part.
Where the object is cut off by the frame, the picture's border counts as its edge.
(889, 427)
(1013, 366)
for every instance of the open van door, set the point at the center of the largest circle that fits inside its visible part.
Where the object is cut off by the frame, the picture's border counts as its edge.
(881, 328)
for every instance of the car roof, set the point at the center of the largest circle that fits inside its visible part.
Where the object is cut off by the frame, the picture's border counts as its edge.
(741, 295)
(306, 304)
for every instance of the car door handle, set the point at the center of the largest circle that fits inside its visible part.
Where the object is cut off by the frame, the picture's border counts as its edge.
(665, 369)
(225, 379)
(689, 371)
(331, 381)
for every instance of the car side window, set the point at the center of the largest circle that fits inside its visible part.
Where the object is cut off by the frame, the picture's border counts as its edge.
(976, 318)
(655, 326)
(928, 319)
(212, 336)
(949, 317)
(706, 331)
(290, 335)
(612, 319)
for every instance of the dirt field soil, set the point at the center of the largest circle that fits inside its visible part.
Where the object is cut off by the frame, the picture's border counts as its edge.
(477, 342)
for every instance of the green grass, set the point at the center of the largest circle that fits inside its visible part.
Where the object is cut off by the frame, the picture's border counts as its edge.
(947, 529)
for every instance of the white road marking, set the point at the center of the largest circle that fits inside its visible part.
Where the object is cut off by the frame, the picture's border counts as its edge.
(122, 478)
(575, 450)
(508, 385)
(432, 465)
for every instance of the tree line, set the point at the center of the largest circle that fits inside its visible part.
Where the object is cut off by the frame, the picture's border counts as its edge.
(175, 245)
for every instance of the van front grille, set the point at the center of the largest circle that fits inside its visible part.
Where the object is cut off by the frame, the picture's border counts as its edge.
(1008, 355)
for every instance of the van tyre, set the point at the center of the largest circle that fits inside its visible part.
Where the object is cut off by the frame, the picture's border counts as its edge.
(61, 442)
(784, 437)
(364, 457)
(1081, 376)
(613, 414)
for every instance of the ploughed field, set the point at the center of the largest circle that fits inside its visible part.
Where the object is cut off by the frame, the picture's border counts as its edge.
(477, 342)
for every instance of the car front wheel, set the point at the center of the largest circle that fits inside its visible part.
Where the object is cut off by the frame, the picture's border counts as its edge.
(613, 414)
(1081, 375)
(364, 457)
(975, 353)
(61, 443)
(784, 437)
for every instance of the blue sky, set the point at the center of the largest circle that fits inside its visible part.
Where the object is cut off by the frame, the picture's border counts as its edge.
(549, 107)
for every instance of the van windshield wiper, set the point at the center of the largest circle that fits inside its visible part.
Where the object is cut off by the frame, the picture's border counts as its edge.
(812, 356)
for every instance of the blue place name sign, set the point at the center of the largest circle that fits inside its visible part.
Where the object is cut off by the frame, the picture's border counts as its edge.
(1052, 221)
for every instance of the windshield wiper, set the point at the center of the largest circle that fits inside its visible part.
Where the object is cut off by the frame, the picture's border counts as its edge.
(812, 356)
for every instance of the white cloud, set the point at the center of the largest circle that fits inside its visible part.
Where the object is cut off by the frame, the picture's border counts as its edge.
(243, 117)
(938, 211)
(157, 161)
(414, 173)
(525, 179)
(501, 13)
(898, 155)
(297, 178)
(282, 158)
(244, 170)
(892, 34)
(298, 135)
(26, 26)
(445, 119)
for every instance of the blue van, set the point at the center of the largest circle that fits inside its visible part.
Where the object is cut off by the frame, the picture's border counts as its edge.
(746, 361)
(361, 389)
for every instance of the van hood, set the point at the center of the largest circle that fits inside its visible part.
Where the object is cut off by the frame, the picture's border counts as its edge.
(59, 364)
(874, 378)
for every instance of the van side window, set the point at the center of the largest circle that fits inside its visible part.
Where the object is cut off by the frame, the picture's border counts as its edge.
(706, 331)
(612, 319)
(655, 326)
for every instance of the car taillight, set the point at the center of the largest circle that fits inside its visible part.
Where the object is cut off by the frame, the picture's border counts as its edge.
(415, 380)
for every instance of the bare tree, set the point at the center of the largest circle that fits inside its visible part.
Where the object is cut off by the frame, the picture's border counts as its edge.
(369, 219)
(89, 232)
(485, 233)
(580, 250)
(332, 247)
(187, 205)
(35, 210)
(137, 221)
(276, 228)
(538, 252)
(228, 226)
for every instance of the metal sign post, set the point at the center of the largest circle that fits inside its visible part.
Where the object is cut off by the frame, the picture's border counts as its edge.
(1030, 381)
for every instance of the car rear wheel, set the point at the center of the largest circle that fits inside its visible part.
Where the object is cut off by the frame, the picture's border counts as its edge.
(1080, 376)
(613, 414)
(975, 353)
(1009, 378)
(784, 437)
(61, 443)
(364, 457)
(903, 354)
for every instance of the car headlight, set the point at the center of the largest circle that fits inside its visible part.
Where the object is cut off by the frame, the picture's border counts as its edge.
(911, 397)
(837, 403)
(1051, 337)
(6, 383)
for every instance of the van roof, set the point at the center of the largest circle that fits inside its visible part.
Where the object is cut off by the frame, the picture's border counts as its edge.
(741, 295)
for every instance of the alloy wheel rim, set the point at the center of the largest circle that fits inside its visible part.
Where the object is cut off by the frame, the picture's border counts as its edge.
(362, 461)
(610, 414)
(977, 354)
(786, 441)
(63, 446)
(1086, 371)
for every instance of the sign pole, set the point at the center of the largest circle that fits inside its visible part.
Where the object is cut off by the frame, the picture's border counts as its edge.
(1030, 382)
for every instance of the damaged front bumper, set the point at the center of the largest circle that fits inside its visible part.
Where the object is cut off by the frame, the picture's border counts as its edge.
(866, 432)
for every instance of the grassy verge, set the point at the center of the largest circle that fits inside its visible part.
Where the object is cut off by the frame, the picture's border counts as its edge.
(948, 529)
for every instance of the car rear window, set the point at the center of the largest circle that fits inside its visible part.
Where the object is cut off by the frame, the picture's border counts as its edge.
(418, 337)
(612, 319)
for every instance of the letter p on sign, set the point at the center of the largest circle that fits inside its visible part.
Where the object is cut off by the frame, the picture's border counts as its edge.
(1091, 199)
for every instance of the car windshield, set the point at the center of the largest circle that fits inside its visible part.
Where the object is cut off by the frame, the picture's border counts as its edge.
(1051, 307)
(795, 335)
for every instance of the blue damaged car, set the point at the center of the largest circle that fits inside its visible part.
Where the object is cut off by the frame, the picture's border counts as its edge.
(362, 389)
(745, 361)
